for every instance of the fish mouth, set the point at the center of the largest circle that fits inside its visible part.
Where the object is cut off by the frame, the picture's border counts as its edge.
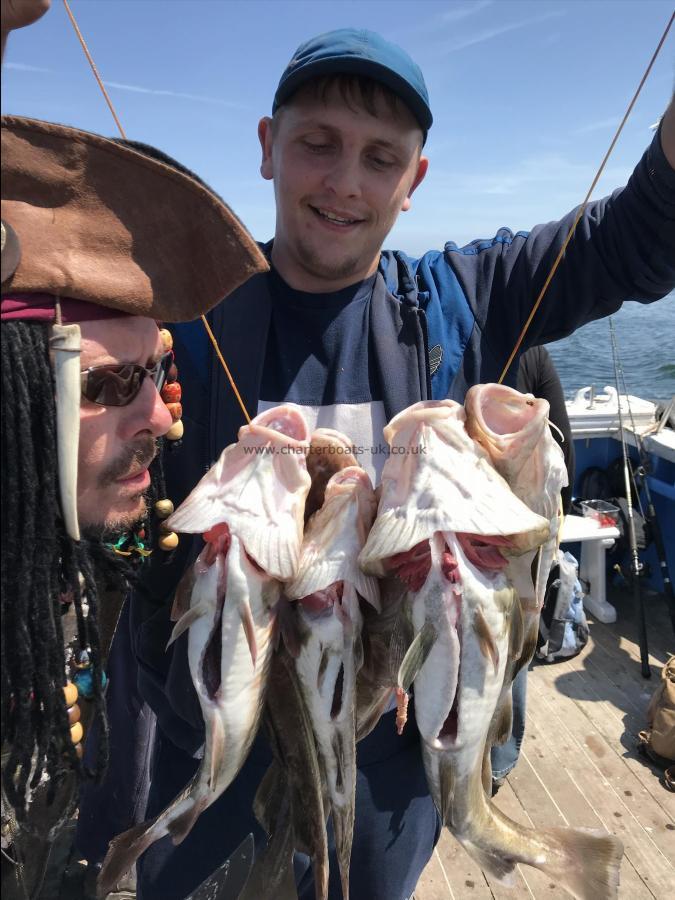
(446, 739)
(212, 655)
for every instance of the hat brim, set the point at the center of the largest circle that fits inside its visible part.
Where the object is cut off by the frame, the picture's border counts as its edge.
(100, 222)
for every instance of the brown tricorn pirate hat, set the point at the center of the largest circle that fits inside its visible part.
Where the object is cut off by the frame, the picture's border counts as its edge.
(98, 221)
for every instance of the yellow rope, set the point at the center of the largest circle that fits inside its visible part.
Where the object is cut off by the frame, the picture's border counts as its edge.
(584, 204)
(121, 131)
(93, 68)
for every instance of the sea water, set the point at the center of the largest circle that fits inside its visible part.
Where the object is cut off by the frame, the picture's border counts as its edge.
(645, 336)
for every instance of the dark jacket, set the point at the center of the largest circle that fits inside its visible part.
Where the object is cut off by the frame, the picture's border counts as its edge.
(439, 324)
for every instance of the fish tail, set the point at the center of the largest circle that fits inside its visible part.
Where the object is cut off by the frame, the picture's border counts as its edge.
(122, 853)
(585, 863)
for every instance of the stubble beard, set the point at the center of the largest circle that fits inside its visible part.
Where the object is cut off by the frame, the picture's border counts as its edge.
(314, 265)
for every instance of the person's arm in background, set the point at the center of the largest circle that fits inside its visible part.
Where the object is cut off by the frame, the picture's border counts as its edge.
(668, 133)
(19, 13)
(537, 375)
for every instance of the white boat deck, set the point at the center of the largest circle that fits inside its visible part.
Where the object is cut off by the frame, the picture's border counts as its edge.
(580, 767)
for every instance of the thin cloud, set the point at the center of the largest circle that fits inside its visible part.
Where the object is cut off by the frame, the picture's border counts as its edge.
(463, 12)
(489, 34)
(25, 67)
(600, 125)
(180, 95)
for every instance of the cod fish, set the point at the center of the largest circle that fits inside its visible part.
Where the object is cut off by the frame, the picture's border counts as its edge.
(249, 507)
(328, 588)
(468, 623)
(289, 803)
(513, 429)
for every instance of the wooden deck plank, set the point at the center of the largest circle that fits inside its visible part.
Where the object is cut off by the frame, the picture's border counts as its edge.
(546, 752)
(434, 883)
(463, 876)
(629, 817)
(605, 705)
(619, 754)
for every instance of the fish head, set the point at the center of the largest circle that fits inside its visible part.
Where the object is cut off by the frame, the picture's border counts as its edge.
(334, 536)
(257, 489)
(507, 424)
(330, 451)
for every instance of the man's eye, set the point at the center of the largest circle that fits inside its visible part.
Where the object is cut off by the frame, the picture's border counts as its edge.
(314, 147)
(381, 163)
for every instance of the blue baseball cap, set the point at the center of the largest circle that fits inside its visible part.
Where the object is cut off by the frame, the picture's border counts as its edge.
(352, 51)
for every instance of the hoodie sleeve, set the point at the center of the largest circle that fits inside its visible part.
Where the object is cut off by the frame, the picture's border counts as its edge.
(623, 248)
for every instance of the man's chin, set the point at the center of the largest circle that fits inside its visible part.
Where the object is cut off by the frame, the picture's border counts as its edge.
(119, 520)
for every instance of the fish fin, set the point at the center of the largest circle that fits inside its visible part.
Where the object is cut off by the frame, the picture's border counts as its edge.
(181, 599)
(516, 631)
(269, 797)
(398, 645)
(358, 652)
(416, 656)
(186, 620)
(217, 748)
(182, 824)
(123, 852)
(486, 773)
(289, 630)
(249, 629)
(501, 869)
(584, 862)
(504, 720)
(486, 640)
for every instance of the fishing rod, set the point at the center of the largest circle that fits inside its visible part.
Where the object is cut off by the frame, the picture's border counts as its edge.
(636, 564)
(640, 473)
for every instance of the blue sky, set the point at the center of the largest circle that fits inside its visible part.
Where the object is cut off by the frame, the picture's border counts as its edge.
(525, 95)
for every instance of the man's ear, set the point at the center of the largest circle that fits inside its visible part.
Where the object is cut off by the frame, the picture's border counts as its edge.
(422, 167)
(265, 138)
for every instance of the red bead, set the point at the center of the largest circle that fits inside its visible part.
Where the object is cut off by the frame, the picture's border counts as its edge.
(176, 410)
(171, 393)
(141, 534)
(172, 374)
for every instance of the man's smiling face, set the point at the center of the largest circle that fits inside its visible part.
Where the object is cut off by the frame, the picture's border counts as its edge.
(341, 177)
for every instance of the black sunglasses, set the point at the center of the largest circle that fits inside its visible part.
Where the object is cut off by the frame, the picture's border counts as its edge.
(118, 385)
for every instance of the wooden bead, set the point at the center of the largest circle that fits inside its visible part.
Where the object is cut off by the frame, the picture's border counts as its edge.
(74, 714)
(164, 528)
(176, 410)
(172, 374)
(175, 433)
(168, 541)
(163, 508)
(76, 733)
(171, 393)
(167, 339)
(70, 692)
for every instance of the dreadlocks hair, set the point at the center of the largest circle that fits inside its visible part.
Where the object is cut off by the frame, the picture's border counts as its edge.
(41, 566)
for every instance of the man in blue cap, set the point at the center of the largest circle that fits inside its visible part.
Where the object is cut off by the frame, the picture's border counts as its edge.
(354, 334)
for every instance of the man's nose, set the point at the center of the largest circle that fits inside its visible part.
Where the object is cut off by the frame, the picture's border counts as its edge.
(149, 411)
(344, 177)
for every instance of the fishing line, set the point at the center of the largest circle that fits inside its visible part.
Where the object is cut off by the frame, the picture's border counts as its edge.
(582, 208)
(636, 563)
(210, 333)
(641, 472)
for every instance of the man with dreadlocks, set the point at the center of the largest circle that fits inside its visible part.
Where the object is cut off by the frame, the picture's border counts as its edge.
(100, 242)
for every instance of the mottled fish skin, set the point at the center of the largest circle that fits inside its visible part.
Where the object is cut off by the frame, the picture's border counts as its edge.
(232, 610)
(477, 624)
(513, 428)
(328, 588)
(290, 802)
